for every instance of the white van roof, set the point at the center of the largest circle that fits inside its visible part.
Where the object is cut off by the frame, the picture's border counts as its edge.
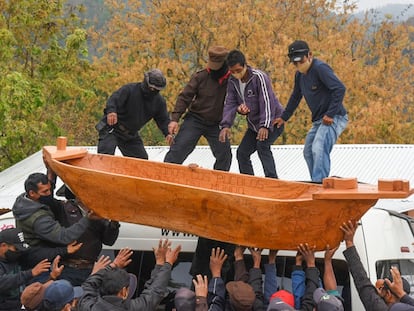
(368, 163)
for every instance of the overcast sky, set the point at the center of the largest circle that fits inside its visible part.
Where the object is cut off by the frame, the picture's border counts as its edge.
(368, 4)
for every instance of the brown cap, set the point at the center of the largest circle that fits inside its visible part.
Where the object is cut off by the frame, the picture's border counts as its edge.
(216, 57)
(241, 295)
(33, 295)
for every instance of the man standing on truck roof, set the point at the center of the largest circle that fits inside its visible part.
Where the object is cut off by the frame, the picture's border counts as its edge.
(127, 110)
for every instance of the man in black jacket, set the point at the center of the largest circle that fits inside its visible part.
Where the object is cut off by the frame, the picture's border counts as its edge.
(12, 246)
(127, 110)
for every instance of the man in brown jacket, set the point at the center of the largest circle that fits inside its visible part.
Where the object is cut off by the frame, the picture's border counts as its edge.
(203, 99)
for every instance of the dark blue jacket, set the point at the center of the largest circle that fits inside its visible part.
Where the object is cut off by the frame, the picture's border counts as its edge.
(323, 92)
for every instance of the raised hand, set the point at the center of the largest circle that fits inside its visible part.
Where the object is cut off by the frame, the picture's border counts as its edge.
(349, 228)
(73, 247)
(272, 256)
(256, 255)
(217, 259)
(123, 258)
(172, 255)
(56, 269)
(200, 285)
(308, 253)
(239, 252)
(41, 267)
(101, 263)
(330, 252)
(161, 251)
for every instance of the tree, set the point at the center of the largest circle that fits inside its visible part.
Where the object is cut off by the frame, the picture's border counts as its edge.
(42, 70)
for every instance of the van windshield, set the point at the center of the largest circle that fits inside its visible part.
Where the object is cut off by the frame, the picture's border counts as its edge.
(405, 266)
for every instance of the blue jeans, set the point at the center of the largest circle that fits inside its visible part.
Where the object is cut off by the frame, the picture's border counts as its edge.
(318, 146)
(250, 144)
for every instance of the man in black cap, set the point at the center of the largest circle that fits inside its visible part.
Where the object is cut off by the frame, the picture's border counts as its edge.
(324, 94)
(127, 110)
(12, 246)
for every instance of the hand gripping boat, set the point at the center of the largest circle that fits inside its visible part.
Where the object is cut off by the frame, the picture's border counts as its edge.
(236, 208)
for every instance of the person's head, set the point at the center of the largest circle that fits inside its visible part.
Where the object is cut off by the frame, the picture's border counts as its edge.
(216, 57)
(285, 296)
(241, 295)
(326, 302)
(115, 282)
(277, 304)
(237, 64)
(184, 300)
(12, 244)
(33, 295)
(61, 295)
(154, 81)
(37, 187)
(300, 55)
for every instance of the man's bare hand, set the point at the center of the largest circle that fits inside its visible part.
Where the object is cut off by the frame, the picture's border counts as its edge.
(112, 118)
(224, 134)
(278, 122)
(101, 263)
(56, 269)
(123, 258)
(330, 252)
(308, 253)
(172, 255)
(41, 267)
(243, 109)
(217, 259)
(349, 228)
(173, 128)
(160, 252)
(200, 285)
(327, 120)
(73, 247)
(263, 134)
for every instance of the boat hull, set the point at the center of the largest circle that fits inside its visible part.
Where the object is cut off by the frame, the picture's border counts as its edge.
(235, 208)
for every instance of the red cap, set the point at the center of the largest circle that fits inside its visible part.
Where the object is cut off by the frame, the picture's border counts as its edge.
(285, 296)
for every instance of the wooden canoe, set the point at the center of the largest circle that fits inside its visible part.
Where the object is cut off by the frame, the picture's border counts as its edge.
(241, 209)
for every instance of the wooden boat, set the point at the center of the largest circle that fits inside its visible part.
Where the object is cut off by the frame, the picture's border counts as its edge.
(241, 209)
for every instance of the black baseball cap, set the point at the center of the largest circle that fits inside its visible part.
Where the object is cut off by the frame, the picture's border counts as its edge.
(297, 50)
(14, 237)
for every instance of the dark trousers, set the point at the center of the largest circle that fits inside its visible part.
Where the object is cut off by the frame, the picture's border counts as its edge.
(76, 276)
(130, 148)
(201, 259)
(250, 144)
(190, 132)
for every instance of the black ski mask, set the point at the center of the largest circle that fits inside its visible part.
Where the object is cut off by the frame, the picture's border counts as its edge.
(217, 74)
(148, 92)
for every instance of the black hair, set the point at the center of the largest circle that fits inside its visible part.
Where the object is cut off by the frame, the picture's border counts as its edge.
(33, 180)
(236, 57)
(113, 281)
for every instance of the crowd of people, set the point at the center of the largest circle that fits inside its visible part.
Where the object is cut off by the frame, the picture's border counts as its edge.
(51, 260)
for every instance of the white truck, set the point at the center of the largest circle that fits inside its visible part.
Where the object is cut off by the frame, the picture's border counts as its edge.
(384, 239)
